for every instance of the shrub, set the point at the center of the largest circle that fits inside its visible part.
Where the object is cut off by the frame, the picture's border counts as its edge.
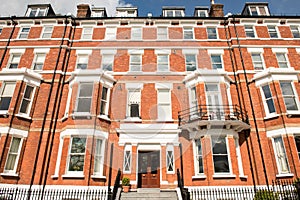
(265, 194)
(125, 181)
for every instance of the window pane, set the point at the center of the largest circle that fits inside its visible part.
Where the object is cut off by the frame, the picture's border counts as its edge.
(98, 156)
(249, 31)
(190, 61)
(297, 141)
(221, 164)
(13, 154)
(24, 106)
(295, 31)
(281, 155)
(286, 88)
(6, 96)
(220, 156)
(84, 105)
(134, 110)
(212, 33)
(86, 90)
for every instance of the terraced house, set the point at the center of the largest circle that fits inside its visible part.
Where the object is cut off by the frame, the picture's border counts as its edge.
(203, 102)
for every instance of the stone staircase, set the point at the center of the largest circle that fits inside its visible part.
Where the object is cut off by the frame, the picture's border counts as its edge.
(147, 194)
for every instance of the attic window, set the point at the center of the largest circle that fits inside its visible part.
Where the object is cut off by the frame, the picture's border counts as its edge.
(258, 10)
(173, 13)
(36, 12)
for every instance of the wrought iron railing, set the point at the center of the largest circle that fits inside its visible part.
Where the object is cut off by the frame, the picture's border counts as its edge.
(183, 191)
(212, 112)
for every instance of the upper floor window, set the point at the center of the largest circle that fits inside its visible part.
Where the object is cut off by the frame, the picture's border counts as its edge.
(282, 60)
(280, 156)
(82, 61)
(136, 33)
(135, 62)
(163, 63)
(7, 92)
(47, 32)
(289, 96)
(216, 61)
(87, 33)
(164, 104)
(198, 157)
(13, 155)
(39, 60)
(268, 100)
(24, 32)
(162, 33)
(170, 159)
(188, 33)
(190, 62)
(295, 31)
(110, 33)
(134, 102)
(249, 31)
(107, 62)
(257, 61)
(104, 102)
(220, 154)
(27, 100)
(14, 61)
(76, 154)
(212, 33)
(272, 31)
(99, 151)
(84, 98)
(36, 12)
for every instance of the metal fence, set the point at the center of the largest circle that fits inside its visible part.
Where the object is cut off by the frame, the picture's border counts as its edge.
(72, 193)
(279, 190)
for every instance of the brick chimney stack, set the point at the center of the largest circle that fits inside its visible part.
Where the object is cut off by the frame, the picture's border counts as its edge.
(216, 10)
(83, 10)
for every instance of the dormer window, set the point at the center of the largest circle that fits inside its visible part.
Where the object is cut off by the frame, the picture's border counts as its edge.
(98, 12)
(36, 12)
(127, 12)
(39, 10)
(201, 12)
(256, 9)
(173, 12)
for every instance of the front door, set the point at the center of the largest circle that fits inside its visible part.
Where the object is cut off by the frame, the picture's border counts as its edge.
(148, 169)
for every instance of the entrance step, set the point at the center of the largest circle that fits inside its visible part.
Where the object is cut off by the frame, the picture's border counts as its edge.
(147, 194)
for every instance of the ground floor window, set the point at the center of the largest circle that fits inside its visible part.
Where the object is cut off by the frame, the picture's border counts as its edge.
(220, 154)
(170, 159)
(76, 154)
(127, 159)
(13, 155)
(198, 157)
(280, 154)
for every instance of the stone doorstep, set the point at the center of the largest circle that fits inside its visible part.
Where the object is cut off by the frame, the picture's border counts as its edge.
(148, 190)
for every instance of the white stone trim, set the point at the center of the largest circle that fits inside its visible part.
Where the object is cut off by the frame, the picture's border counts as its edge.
(190, 51)
(298, 50)
(279, 50)
(134, 86)
(162, 51)
(163, 86)
(23, 74)
(85, 132)
(136, 51)
(13, 131)
(85, 52)
(108, 51)
(282, 131)
(255, 50)
(41, 50)
(17, 51)
(215, 51)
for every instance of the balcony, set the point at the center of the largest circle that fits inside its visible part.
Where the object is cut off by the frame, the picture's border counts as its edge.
(213, 117)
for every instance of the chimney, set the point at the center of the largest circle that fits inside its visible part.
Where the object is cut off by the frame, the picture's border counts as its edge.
(216, 10)
(83, 10)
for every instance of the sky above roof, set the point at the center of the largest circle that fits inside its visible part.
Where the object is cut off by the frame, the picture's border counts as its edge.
(18, 7)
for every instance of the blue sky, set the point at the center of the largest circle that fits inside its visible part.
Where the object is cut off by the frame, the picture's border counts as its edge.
(18, 7)
(286, 7)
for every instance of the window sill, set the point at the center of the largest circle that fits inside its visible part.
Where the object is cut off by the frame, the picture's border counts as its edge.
(287, 175)
(83, 115)
(224, 176)
(291, 113)
(164, 120)
(199, 177)
(54, 176)
(73, 176)
(133, 119)
(271, 116)
(170, 173)
(126, 172)
(23, 116)
(243, 177)
(104, 117)
(9, 174)
(4, 113)
(98, 177)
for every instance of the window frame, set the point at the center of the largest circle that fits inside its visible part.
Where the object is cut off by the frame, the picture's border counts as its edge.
(280, 62)
(214, 35)
(166, 65)
(12, 62)
(266, 99)
(105, 101)
(106, 64)
(251, 33)
(162, 35)
(23, 35)
(198, 155)
(273, 31)
(129, 114)
(14, 170)
(190, 63)
(127, 162)
(38, 10)
(136, 33)
(135, 64)
(80, 84)
(214, 64)
(36, 62)
(68, 171)
(46, 32)
(187, 32)
(100, 155)
(25, 99)
(260, 62)
(79, 64)
(87, 33)
(110, 33)
(3, 86)
(227, 154)
(295, 31)
(258, 10)
(278, 164)
(170, 159)
(165, 103)
(294, 95)
(173, 13)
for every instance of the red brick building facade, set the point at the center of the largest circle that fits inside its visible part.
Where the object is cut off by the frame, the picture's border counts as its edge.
(212, 95)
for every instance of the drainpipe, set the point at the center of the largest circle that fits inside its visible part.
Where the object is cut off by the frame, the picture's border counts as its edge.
(251, 104)
(246, 133)
(46, 111)
(58, 97)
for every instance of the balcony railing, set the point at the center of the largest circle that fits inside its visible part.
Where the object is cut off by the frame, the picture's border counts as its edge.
(212, 112)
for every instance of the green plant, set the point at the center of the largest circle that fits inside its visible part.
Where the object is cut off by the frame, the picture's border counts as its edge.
(265, 194)
(125, 181)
